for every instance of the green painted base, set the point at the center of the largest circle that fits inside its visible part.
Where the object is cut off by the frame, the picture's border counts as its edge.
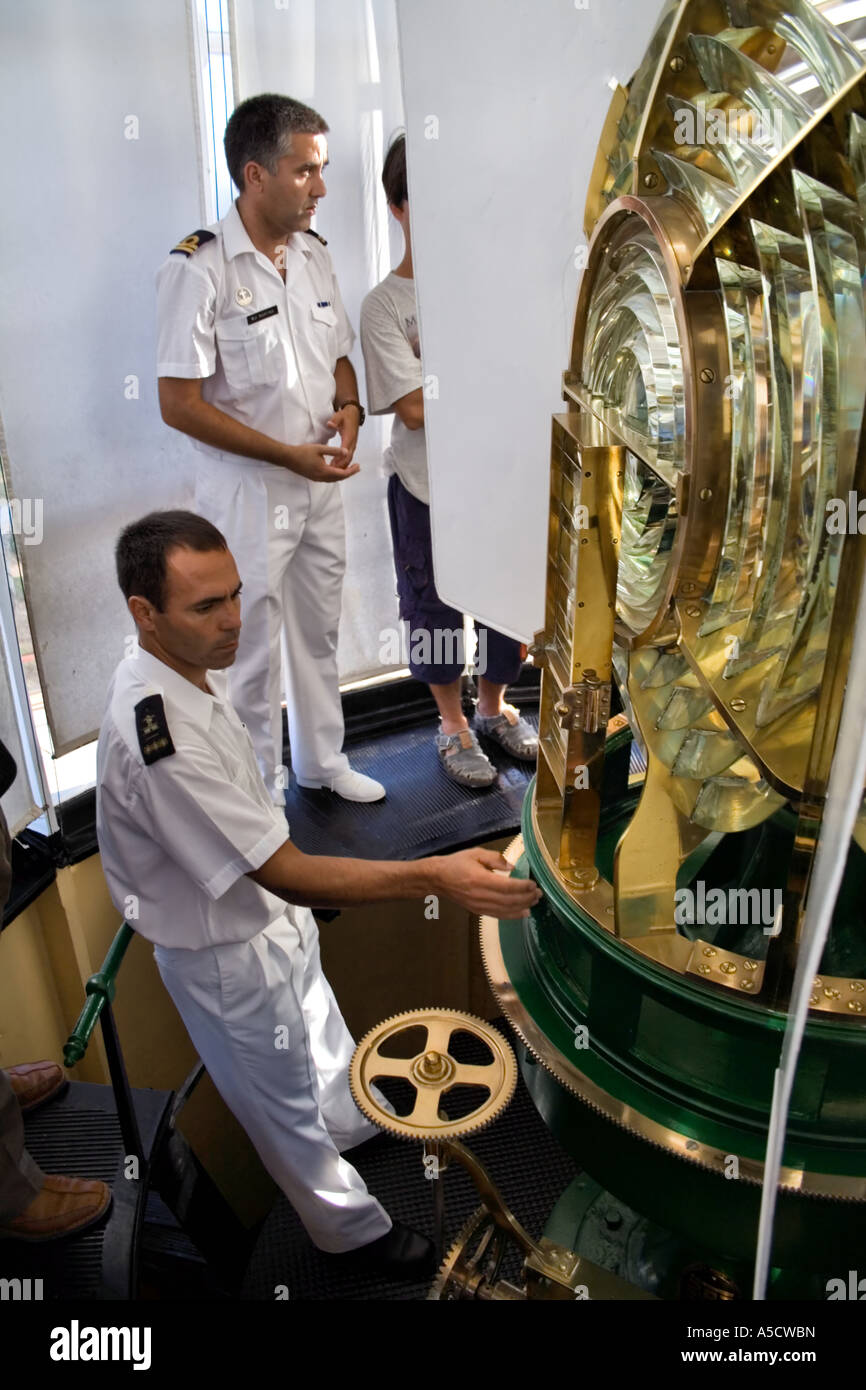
(671, 1080)
(594, 1224)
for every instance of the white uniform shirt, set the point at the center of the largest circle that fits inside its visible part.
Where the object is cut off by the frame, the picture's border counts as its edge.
(178, 836)
(392, 359)
(266, 350)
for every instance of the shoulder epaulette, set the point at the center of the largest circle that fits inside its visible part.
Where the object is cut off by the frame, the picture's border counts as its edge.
(191, 243)
(151, 725)
(310, 232)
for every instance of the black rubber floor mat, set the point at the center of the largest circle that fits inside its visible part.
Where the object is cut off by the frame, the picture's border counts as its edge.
(77, 1135)
(521, 1155)
(424, 811)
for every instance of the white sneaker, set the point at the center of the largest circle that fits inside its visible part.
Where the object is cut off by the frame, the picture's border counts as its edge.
(351, 786)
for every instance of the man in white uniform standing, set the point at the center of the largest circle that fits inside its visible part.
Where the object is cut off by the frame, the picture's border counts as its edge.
(198, 859)
(253, 365)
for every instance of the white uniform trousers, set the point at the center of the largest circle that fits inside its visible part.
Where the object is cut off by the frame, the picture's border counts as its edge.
(266, 1024)
(288, 537)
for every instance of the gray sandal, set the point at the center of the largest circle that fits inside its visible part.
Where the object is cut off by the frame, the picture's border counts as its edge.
(512, 731)
(461, 756)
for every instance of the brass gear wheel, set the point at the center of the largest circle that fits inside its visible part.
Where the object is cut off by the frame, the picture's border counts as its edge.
(471, 1267)
(432, 1072)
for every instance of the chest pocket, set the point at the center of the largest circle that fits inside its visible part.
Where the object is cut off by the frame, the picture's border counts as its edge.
(251, 353)
(325, 314)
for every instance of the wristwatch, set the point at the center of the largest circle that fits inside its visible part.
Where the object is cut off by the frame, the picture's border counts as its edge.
(362, 411)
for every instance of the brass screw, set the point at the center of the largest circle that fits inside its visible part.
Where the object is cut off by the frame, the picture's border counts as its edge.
(688, 587)
(857, 986)
(691, 1144)
(856, 1005)
(813, 999)
(710, 951)
(818, 982)
(703, 970)
(677, 64)
(692, 611)
(728, 967)
(707, 375)
(747, 984)
(750, 964)
(705, 494)
(650, 180)
(738, 705)
(832, 994)
(583, 878)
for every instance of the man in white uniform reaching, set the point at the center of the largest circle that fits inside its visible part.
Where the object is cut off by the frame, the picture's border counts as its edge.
(189, 835)
(253, 365)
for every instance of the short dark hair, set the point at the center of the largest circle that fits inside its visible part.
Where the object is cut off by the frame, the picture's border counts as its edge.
(261, 129)
(394, 172)
(143, 548)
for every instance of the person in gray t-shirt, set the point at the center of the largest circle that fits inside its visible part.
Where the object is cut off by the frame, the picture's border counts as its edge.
(392, 358)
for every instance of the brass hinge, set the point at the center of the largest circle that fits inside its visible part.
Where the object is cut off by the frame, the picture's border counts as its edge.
(586, 705)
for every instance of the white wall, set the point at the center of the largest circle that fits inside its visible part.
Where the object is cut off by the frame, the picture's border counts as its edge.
(517, 93)
(88, 215)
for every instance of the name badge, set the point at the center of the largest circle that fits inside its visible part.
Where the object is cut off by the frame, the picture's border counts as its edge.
(262, 314)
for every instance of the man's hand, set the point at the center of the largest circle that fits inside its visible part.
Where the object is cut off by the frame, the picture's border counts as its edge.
(346, 422)
(311, 461)
(184, 409)
(475, 878)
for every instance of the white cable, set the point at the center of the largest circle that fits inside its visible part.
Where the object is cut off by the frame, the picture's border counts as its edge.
(844, 795)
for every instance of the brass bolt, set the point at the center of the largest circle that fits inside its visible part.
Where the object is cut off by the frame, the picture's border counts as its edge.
(677, 64)
(738, 705)
(583, 878)
(707, 375)
(650, 180)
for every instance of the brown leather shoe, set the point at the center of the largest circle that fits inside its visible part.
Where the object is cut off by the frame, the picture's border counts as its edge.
(36, 1082)
(63, 1206)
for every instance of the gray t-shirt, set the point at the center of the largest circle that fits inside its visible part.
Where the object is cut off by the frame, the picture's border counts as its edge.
(392, 359)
